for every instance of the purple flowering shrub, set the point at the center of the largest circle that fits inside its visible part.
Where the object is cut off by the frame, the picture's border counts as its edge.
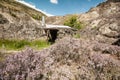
(68, 59)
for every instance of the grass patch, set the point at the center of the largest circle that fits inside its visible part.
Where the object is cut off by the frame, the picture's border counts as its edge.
(20, 44)
(16, 45)
(39, 44)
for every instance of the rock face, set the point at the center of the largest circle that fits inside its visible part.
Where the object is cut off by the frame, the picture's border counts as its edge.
(69, 59)
(18, 21)
(105, 25)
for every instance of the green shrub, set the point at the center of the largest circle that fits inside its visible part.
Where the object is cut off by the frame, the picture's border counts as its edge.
(72, 22)
(36, 16)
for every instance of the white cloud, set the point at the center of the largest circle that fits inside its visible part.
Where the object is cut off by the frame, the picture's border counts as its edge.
(54, 1)
(33, 6)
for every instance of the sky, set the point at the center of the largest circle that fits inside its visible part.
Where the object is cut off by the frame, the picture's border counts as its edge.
(61, 7)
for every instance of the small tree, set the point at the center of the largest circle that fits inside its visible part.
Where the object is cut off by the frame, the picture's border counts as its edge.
(72, 22)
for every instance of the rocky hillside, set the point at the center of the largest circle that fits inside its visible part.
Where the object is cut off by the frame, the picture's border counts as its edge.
(18, 21)
(102, 22)
(94, 56)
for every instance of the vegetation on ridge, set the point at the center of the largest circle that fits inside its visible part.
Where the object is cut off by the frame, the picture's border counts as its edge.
(72, 22)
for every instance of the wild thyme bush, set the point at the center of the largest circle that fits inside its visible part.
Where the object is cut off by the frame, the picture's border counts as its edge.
(26, 66)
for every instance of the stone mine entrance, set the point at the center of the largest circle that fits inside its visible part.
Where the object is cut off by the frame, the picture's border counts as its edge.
(52, 35)
(52, 31)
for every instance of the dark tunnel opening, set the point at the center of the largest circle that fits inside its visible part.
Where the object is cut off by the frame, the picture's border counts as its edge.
(117, 42)
(52, 36)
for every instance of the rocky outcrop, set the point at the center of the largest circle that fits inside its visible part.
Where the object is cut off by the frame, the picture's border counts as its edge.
(69, 59)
